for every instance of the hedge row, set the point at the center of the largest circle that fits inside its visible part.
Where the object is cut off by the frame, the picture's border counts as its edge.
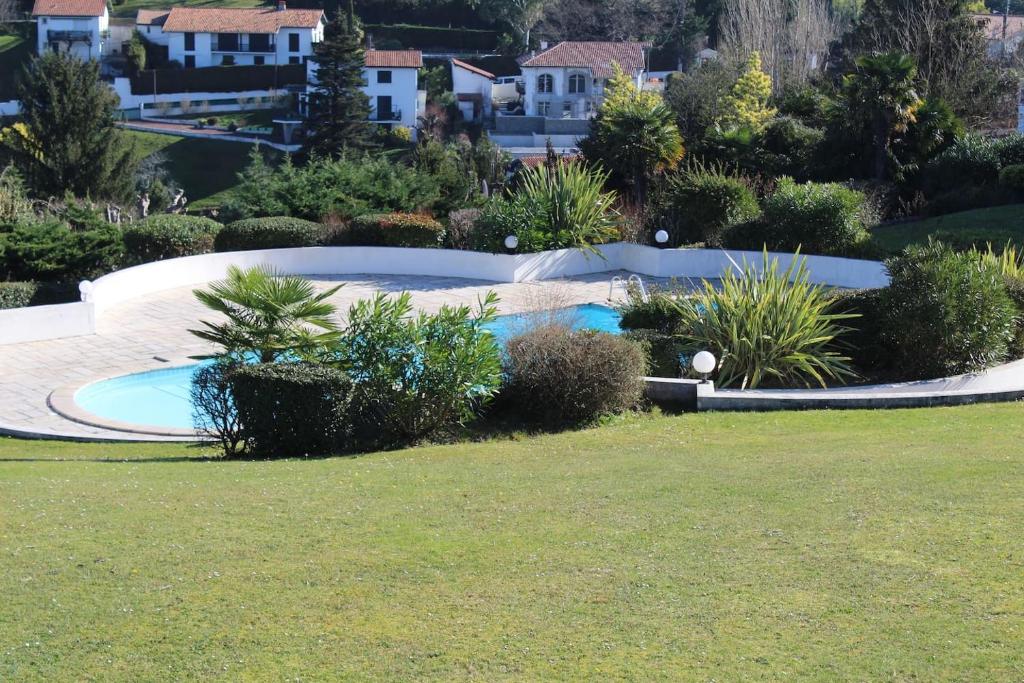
(169, 236)
(395, 230)
(410, 36)
(218, 79)
(277, 232)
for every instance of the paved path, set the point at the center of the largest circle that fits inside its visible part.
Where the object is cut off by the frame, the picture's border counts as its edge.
(152, 332)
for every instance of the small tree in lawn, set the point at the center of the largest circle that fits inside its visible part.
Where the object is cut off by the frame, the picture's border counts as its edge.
(634, 135)
(746, 106)
(339, 109)
(68, 141)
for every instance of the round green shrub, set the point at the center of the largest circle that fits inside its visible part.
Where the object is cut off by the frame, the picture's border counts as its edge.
(664, 352)
(170, 236)
(395, 230)
(971, 160)
(49, 250)
(657, 312)
(276, 232)
(292, 409)
(1012, 177)
(556, 376)
(946, 313)
(17, 294)
(699, 205)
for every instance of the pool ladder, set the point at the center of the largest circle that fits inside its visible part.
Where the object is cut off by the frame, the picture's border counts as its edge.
(634, 281)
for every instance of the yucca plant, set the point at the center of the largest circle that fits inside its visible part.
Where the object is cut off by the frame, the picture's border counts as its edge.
(269, 316)
(1008, 262)
(766, 326)
(575, 208)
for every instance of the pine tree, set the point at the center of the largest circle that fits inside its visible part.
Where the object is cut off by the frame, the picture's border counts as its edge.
(67, 140)
(746, 106)
(339, 110)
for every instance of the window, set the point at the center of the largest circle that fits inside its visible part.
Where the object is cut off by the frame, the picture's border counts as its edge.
(566, 110)
(227, 42)
(545, 83)
(543, 108)
(190, 41)
(190, 61)
(258, 60)
(260, 42)
(384, 111)
(293, 42)
(383, 76)
(577, 84)
(294, 60)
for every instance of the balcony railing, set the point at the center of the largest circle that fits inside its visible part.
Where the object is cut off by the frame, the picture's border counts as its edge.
(69, 37)
(243, 46)
(386, 116)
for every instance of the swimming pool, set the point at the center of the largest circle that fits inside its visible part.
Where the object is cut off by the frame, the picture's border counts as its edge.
(160, 398)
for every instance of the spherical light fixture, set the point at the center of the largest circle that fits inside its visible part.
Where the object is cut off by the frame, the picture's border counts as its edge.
(85, 289)
(661, 237)
(511, 242)
(704, 363)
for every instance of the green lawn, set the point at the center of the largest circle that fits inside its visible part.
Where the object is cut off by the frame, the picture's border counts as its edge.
(206, 169)
(827, 546)
(129, 8)
(15, 51)
(995, 224)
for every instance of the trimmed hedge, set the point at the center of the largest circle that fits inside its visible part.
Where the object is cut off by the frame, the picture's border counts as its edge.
(395, 230)
(214, 79)
(170, 236)
(292, 409)
(409, 36)
(17, 294)
(276, 232)
(698, 206)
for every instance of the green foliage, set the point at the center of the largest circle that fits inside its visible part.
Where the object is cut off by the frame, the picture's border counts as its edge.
(339, 109)
(970, 160)
(274, 232)
(323, 189)
(700, 203)
(555, 376)
(1009, 149)
(786, 147)
(269, 317)
(14, 201)
(1012, 177)
(746, 105)
(656, 312)
(66, 140)
(135, 53)
(766, 326)
(452, 167)
(167, 236)
(418, 375)
(292, 409)
(820, 218)
(17, 294)
(213, 405)
(395, 230)
(664, 352)
(48, 249)
(946, 312)
(696, 97)
(863, 340)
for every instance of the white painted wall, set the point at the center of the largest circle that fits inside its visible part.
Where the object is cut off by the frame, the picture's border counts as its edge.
(123, 88)
(560, 91)
(466, 82)
(37, 323)
(154, 34)
(94, 25)
(206, 57)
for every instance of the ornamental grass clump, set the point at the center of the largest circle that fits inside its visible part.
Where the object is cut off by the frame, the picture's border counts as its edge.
(766, 326)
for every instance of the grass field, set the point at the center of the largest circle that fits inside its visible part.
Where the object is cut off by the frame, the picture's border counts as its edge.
(129, 8)
(206, 169)
(828, 546)
(995, 224)
(15, 51)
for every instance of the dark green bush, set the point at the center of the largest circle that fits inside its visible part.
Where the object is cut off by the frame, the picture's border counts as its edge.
(971, 160)
(790, 146)
(698, 205)
(395, 230)
(49, 250)
(966, 198)
(555, 376)
(276, 232)
(664, 352)
(817, 218)
(1012, 177)
(19, 294)
(657, 312)
(945, 313)
(292, 409)
(1015, 290)
(1010, 149)
(862, 340)
(170, 236)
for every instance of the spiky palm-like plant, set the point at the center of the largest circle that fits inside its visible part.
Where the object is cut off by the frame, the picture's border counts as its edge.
(766, 325)
(269, 315)
(575, 209)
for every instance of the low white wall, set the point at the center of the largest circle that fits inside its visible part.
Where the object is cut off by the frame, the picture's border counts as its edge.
(10, 108)
(37, 323)
(65, 320)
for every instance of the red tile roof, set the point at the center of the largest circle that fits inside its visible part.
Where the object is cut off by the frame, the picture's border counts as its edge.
(152, 17)
(469, 67)
(69, 8)
(234, 20)
(598, 57)
(395, 59)
(993, 25)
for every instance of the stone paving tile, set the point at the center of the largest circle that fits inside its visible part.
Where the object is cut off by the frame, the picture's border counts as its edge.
(129, 337)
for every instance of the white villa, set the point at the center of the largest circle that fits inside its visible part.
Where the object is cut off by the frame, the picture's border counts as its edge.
(206, 36)
(79, 27)
(567, 81)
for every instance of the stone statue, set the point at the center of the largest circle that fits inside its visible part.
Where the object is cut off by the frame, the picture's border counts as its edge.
(143, 205)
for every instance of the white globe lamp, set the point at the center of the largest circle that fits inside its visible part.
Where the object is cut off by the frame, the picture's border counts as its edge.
(511, 242)
(704, 363)
(661, 237)
(85, 289)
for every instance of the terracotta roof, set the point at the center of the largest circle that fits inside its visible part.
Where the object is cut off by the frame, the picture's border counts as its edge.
(151, 17)
(396, 59)
(993, 25)
(598, 57)
(234, 20)
(69, 8)
(469, 67)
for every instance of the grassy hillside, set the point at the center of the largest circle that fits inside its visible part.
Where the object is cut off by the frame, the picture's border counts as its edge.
(15, 50)
(129, 8)
(995, 224)
(824, 546)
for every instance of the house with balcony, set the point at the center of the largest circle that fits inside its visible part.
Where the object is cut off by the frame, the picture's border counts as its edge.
(392, 84)
(207, 36)
(78, 27)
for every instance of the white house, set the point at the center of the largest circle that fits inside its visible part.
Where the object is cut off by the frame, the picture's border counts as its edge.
(76, 26)
(207, 36)
(392, 84)
(473, 88)
(567, 81)
(1003, 33)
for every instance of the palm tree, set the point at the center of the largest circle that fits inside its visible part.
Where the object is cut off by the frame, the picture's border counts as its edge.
(882, 92)
(269, 316)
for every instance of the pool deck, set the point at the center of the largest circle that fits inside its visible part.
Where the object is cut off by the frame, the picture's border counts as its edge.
(152, 333)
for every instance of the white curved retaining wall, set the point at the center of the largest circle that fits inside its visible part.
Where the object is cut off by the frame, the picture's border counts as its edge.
(116, 288)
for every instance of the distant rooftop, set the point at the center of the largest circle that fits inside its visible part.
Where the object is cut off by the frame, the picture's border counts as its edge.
(69, 8)
(396, 59)
(239, 20)
(596, 56)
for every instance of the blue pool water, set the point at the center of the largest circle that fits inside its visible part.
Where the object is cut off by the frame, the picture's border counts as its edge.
(160, 398)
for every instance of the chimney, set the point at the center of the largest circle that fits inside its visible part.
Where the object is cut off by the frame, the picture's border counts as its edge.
(281, 6)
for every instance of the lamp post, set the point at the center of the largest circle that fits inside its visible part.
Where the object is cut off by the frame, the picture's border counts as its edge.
(704, 363)
(661, 237)
(511, 242)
